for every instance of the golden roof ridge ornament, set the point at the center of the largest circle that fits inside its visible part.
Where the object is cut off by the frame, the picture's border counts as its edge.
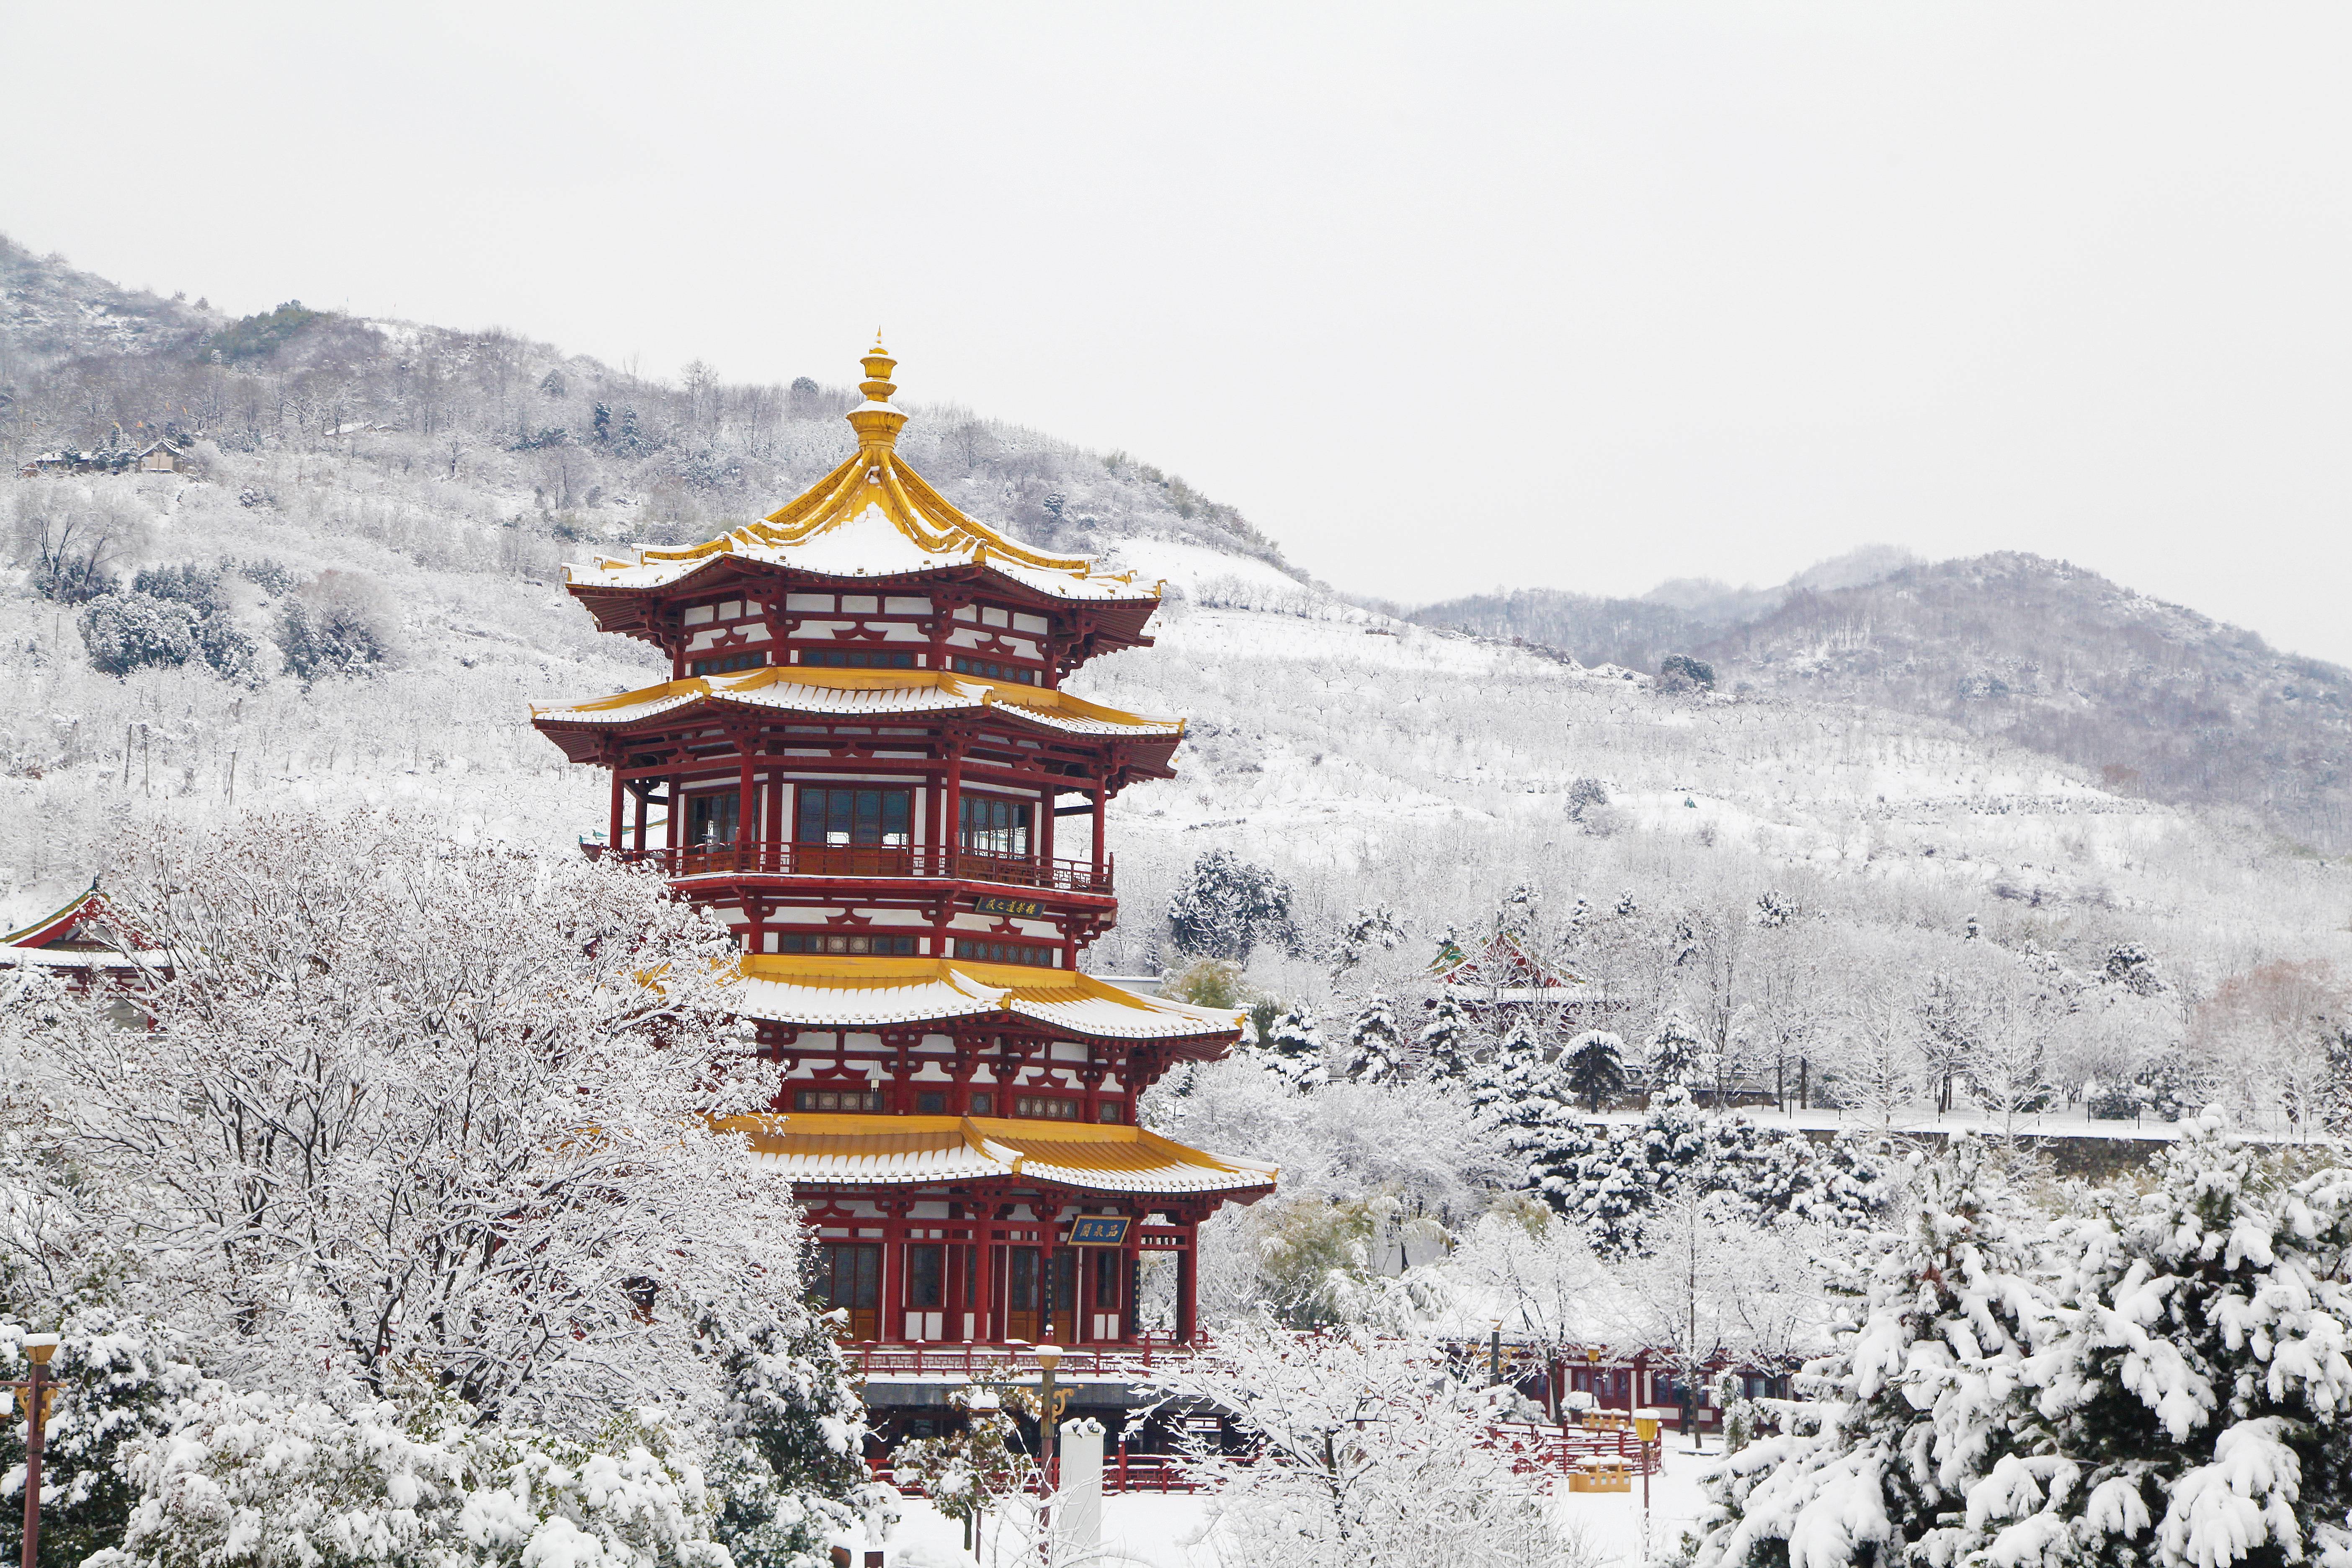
(878, 423)
(876, 479)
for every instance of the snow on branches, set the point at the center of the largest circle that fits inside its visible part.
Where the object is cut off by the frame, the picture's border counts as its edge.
(408, 1105)
(2162, 1381)
(1366, 1449)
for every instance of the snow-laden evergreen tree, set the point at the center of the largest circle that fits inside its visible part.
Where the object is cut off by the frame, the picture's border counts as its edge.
(1518, 1075)
(2133, 968)
(127, 632)
(1226, 906)
(788, 1461)
(119, 1380)
(1372, 927)
(1595, 1064)
(1293, 1050)
(2175, 1393)
(1611, 1178)
(1919, 1405)
(1675, 1049)
(1445, 1051)
(2193, 1383)
(1376, 1046)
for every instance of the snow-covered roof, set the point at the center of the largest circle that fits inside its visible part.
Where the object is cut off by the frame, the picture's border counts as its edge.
(1499, 968)
(83, 933)
(872, 517)
(822, 992)
(893, 1150)
(878, 694)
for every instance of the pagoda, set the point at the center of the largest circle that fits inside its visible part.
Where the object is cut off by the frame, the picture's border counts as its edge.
(865, 765)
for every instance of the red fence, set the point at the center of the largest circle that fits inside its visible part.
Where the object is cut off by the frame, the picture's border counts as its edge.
(999, 1363)
(1533, 1449)
(867, 860)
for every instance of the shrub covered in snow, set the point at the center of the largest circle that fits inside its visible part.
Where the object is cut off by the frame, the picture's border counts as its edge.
(2162, 1381)
(1365, 1449)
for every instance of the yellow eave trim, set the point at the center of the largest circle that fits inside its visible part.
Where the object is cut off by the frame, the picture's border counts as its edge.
(991, 694)
(978, 1133)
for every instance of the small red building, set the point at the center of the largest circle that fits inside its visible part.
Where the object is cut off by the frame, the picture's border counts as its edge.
(865, 763)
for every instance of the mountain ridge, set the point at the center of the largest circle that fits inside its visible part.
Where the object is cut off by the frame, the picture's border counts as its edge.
(2152, 697)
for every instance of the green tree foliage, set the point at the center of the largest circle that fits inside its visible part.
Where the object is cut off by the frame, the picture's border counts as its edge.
(261, 336)
(1596, 1067)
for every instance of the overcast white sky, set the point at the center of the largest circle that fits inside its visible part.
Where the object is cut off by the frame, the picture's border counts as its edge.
(1442, 297)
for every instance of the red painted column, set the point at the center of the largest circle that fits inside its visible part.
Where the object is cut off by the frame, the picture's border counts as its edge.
(1188, 1285)
(773, 858)
(639, 838)
(1102, 799)
(890, 1324)
(747, 809)
(613, 835)
(951, 810)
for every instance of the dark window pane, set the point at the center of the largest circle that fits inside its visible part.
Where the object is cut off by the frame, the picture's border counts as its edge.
(1020, 1279)
(925, 1276)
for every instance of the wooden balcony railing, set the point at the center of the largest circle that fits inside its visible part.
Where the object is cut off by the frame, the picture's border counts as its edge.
(996, 1363)
(865, 860)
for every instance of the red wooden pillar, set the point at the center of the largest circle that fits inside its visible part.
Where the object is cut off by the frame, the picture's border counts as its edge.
(612, 835)
(890, 1322)
(639, 838)
(773, 858)
(951, 809)
(1043, 848)
(1187, 1287)
(1102, 798)
(747, 809)
(1050, 1327)
(1130, 1283)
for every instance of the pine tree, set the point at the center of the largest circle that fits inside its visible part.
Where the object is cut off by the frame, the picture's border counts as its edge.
(1293, 1050)
(1376, 1046)
(1226, 906)
(1446, 1058)
(1518, 1072)
(1596, 1067)
(1923, 1402)
(2197, 1381)
(1674, 1051)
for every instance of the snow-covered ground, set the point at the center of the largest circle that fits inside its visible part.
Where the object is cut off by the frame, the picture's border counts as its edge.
(1179, 1531)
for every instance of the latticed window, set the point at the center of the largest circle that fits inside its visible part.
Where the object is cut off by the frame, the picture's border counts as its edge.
(874, 816)
(1005, 952)
(852, 1099)
(1051, 1108)
(988, 670)
(727, 663)
(995, 825)
(850, 942)
(713, 819)
(855, 658)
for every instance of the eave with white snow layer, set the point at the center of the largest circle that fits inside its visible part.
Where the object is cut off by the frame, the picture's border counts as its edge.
(906, 1151)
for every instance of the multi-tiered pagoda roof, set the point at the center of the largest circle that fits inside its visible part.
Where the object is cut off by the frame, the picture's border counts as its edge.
(861, 763)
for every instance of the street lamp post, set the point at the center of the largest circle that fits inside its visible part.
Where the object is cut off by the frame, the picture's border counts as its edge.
(38, 1349)
(1050, 1405)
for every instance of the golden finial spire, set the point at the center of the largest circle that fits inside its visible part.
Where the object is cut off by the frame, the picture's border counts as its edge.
(876, 422)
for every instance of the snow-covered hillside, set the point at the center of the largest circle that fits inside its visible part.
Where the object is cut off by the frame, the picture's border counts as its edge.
(427, 485)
